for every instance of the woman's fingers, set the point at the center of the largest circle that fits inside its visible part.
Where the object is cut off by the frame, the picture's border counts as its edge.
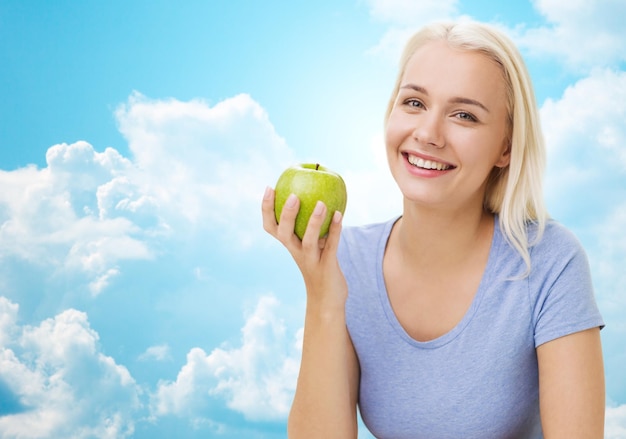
(311, 248)
(287, 221)
(283, 230)
(267, 208)
(312, 232)
(332, 240)
(311, 238)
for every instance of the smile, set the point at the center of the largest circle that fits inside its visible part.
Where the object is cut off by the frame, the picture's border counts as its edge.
(427, 164)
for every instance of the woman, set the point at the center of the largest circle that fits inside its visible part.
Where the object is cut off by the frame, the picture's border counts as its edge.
(472, 314)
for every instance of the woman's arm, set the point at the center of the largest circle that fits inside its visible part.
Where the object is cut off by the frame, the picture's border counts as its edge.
(325, 401)
(324, 405)
(571, 386)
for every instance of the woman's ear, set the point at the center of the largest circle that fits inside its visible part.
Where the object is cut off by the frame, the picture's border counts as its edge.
(505, 157)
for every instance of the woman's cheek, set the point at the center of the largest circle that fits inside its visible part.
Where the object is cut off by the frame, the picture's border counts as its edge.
(395, 131)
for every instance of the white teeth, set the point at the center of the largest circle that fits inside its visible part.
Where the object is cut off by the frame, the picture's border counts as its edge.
(427, 164)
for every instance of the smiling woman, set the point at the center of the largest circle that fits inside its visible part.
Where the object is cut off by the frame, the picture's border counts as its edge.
(461, 317)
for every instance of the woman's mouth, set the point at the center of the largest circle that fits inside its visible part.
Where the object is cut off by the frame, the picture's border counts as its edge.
(419, 162)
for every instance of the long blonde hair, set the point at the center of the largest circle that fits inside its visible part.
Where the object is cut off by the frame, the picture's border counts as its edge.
(515, 192)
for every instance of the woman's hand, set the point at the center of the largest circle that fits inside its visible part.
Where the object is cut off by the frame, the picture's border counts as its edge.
(316, 258)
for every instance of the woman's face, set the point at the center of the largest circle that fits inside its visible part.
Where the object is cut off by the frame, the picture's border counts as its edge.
(448, 127)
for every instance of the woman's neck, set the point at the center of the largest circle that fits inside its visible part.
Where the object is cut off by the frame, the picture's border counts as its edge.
(442, 238)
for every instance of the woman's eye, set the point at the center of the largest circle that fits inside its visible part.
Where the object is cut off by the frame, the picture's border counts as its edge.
(466, 116)
(413, 103)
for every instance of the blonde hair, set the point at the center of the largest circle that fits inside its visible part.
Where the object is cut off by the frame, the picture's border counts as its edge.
(515, 192)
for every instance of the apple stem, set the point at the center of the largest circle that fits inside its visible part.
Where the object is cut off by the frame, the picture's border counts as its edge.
(317, 166)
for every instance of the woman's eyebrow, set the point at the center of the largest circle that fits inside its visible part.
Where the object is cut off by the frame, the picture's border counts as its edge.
(461, 100)
(455, 100)
(415, 87)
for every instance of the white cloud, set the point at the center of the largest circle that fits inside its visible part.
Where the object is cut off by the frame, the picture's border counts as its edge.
(615, 425)
(392, 43)
(65, 385)
(608, 248)
(410, 12)
(404, 17)
(47, 216)
(8, 317)
(195, 169)
(256, 379)
(157, 353)
(205, 165)
(586, 140)
(102, 281)
(579, 32)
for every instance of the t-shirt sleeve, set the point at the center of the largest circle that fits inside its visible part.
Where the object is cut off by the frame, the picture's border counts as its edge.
(561, 278)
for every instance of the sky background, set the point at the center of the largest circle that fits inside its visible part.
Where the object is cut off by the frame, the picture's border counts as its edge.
(139, 295)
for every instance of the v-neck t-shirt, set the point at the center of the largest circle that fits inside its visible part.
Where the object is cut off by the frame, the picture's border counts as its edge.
(480, 379)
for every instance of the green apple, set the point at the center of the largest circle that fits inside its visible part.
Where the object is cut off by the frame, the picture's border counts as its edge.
(311, 183)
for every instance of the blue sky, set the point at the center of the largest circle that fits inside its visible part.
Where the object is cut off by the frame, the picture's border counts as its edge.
(139, 295)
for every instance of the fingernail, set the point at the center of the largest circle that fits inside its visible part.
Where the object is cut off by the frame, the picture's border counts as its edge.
(337, 216)
(268, 192)
(319, 208)
(291, 200)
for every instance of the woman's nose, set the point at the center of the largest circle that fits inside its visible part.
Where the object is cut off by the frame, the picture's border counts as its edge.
(429, 130)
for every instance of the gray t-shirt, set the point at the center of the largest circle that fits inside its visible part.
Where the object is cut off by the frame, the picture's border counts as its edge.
(480, 380)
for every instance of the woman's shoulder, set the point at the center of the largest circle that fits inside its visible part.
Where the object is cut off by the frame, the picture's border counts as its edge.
(550, 248)
(555, 238)
(367, 233)
(557, 251)
(364, 241)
